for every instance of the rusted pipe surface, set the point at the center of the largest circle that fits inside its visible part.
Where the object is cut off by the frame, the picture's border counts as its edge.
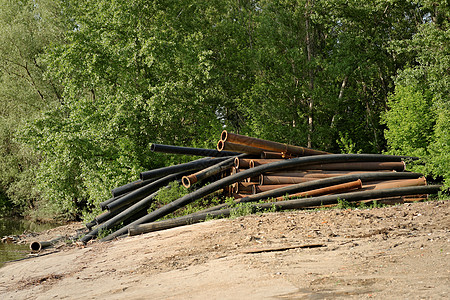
(244, 187)
(242, 163)
(222, 145)
(264, 188)
(269, 180)
(274, 155)
(316, 173)
(395, 184)
(208, 172)
(356, 166)
(269, 145)
(257, 162)
(334, 189)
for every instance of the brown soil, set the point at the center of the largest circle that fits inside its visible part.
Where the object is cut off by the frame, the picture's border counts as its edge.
(399, 252)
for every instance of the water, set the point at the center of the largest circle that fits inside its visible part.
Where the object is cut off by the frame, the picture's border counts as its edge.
(9, 227)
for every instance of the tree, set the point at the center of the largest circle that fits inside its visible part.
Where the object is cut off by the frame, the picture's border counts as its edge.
(26, 28)
(427, 79)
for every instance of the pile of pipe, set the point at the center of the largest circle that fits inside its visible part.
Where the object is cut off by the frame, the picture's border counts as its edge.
(250, 170)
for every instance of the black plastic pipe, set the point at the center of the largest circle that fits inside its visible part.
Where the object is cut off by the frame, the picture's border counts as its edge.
(191, 151)
(203, 191)
(144, 191)
(190, 166)
(103, 205)
(129, 187)
(124, 215)
(288, 204)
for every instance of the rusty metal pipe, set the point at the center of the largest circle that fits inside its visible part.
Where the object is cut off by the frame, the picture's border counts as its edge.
(264, 188)
(273, 155)
(395, 184)
(269, 145)
(320, 183)
(334, 189)
(242, 187)
(257, 162)
(242, 163)
(316, 173)
(222, 145)
(357, 166)
(271, 180)
(210, 171)
(238, 196)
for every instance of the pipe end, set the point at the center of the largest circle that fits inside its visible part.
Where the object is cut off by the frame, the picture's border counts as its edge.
(35, 246)
(186, 182)
(220, 145)
(251, 164)
(236, 162)
(224, 135)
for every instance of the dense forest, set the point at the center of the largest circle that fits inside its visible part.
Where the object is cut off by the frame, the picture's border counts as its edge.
(86, 86)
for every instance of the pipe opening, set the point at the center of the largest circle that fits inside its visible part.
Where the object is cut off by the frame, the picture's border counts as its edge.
(186, 182)
(220, 145)
(236, 162)
(152, 147)
(224, 135)
(251, 164)
(35, 246)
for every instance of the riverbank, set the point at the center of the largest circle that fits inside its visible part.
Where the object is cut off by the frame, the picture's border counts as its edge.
(384, 253)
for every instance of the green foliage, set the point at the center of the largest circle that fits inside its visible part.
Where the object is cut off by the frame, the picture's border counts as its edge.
(166, 195)
(346, 144)
(409, 121)
(26, 28)
(86, 86)
(420, 107)
(343, 204)
(247, 208)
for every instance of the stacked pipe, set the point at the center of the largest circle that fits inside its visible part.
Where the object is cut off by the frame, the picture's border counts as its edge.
(250, 170)
(131, 201)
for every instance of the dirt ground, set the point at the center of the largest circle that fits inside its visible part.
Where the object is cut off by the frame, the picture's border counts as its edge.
(398, 252)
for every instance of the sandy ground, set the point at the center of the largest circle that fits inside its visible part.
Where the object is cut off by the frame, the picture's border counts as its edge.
(399, 252)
